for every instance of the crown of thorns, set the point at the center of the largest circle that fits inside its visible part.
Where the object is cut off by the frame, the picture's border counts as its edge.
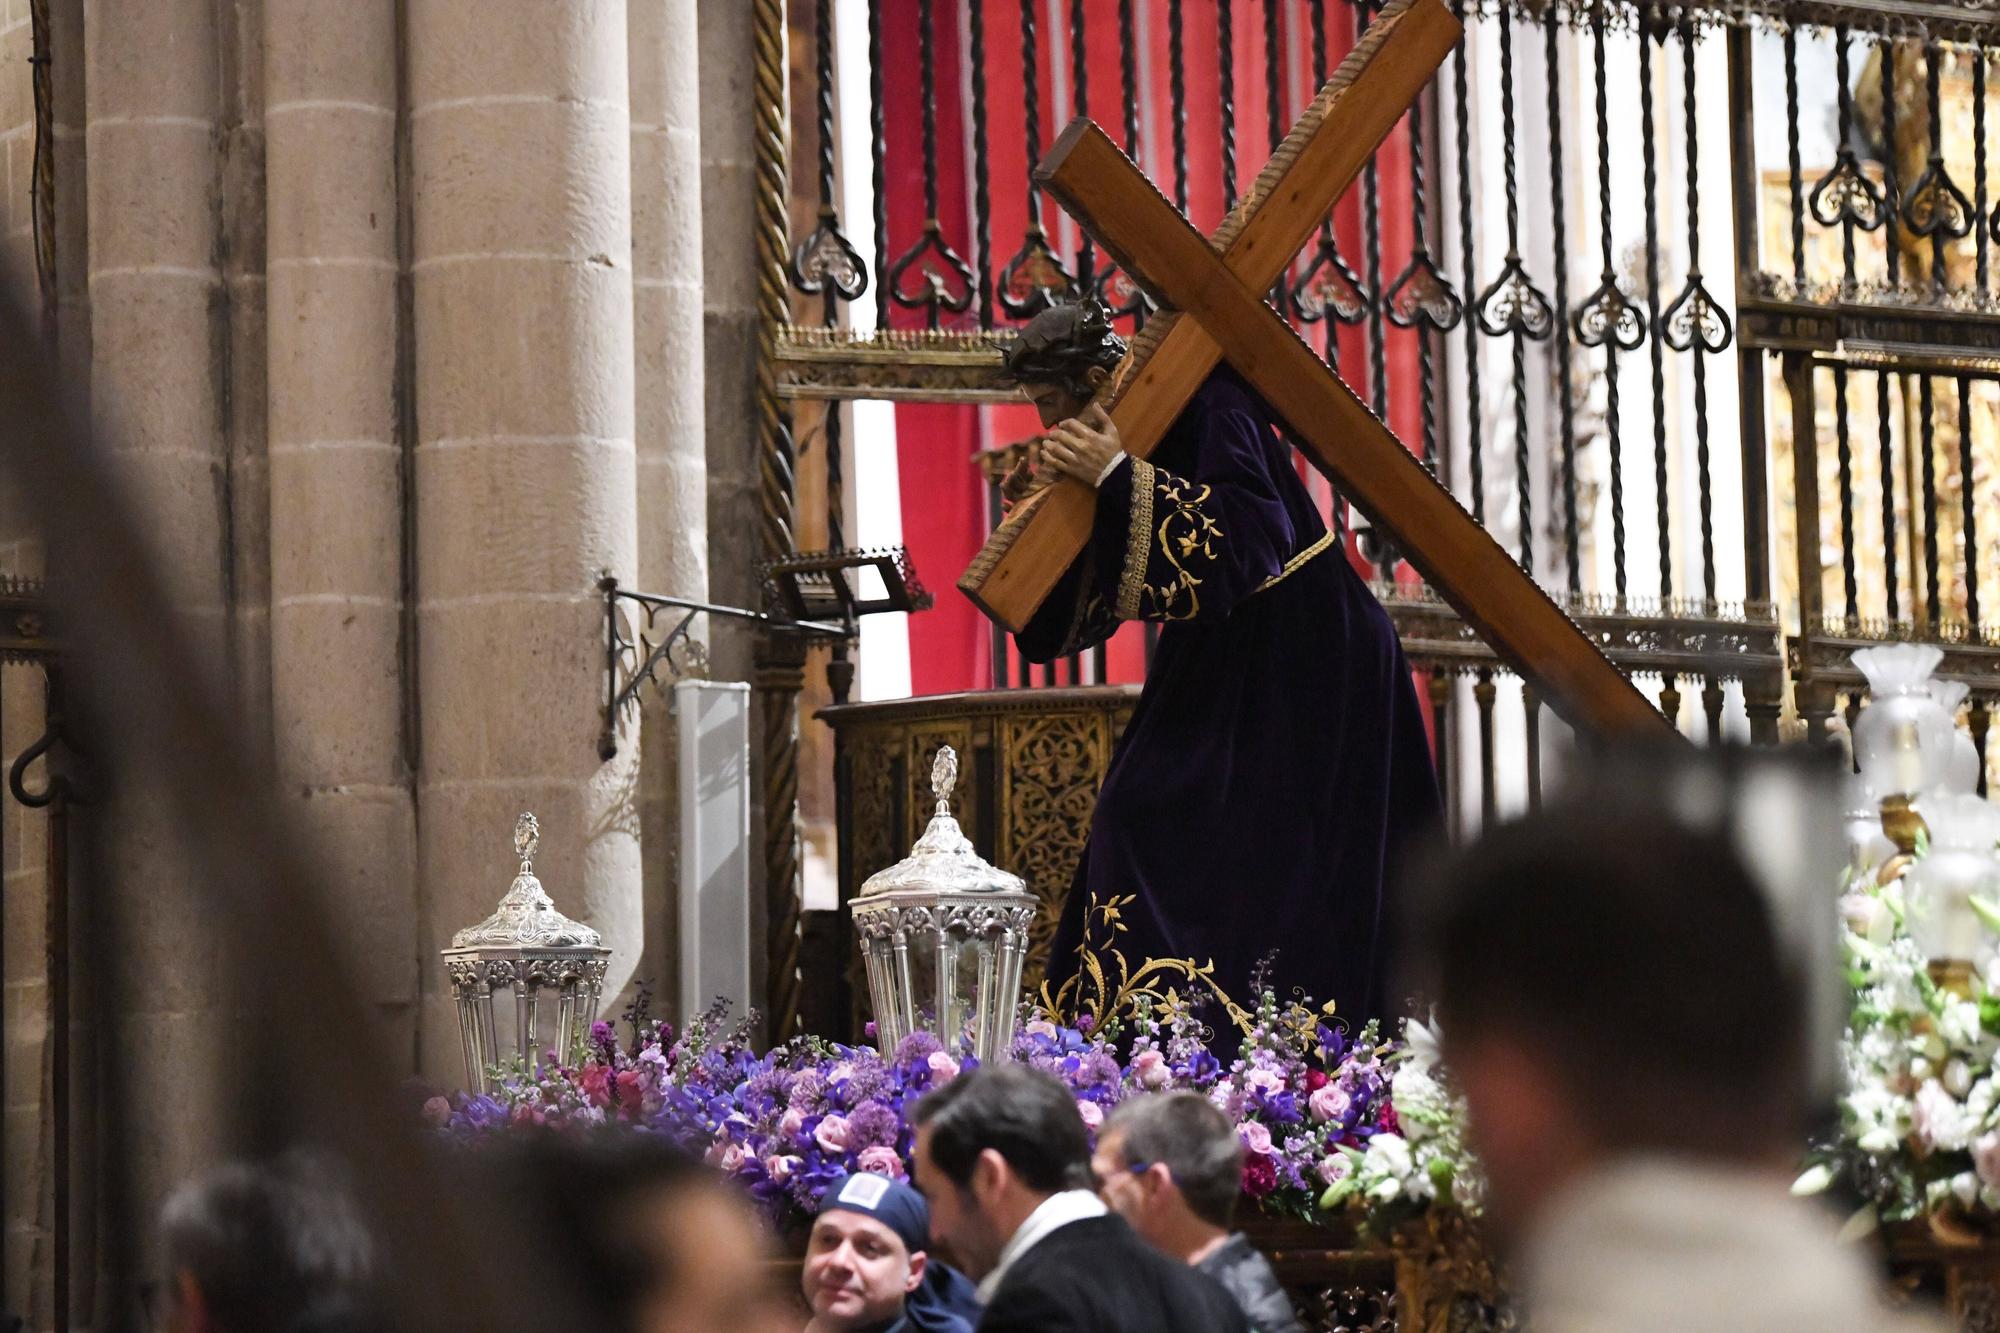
(1061, 344)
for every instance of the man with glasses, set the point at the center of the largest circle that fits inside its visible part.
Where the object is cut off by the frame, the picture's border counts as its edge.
(1171, 1165)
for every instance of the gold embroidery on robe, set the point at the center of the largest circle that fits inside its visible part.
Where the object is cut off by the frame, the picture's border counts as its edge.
(1186, 537)
(1138, 537)
(1105, 985)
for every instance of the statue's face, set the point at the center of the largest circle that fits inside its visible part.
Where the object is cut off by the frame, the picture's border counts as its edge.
(1056, 402)
(1053, 402)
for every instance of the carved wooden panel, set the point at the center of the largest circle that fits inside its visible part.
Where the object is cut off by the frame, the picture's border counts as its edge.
(1053, 767)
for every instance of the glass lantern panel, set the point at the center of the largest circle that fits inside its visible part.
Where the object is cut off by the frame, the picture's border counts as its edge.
(946, 971)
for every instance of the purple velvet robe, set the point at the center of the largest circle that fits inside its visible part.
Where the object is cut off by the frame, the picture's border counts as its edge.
(1276, 758)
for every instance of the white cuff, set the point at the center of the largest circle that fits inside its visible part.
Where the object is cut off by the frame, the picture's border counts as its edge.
(1116, 459)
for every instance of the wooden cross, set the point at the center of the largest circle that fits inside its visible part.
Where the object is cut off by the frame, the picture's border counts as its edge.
(1210, 295)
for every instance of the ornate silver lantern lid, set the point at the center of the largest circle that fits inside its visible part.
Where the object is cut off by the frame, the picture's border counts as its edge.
(527, 918)
(943, 860)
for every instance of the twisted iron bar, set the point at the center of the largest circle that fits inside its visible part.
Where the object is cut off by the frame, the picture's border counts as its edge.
(1611, 299)
(878, 169)
(1565, 408)
(1225, 54)
(1657, 345)
(1888, 490)
(1969, 539)
(1927, 428)
(1844, 453)
(1695, 301)
(1476, 471)
(982, 200)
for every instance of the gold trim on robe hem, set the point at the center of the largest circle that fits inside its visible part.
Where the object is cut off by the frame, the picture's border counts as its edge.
(1138, 541)
(1292, 565)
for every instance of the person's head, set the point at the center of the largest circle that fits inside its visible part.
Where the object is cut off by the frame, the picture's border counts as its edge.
(655, 1241)
(1610, 981)
(1063, 356)
(267, 1247)
(992, 1144)
(1171, 1165)
(866, 1253)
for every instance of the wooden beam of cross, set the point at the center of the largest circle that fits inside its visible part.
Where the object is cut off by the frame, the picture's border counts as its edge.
(1220, 315)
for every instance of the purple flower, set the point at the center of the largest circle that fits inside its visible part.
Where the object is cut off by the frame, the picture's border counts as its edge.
(873, 1125)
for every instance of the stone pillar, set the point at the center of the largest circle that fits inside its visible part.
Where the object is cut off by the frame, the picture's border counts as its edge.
(159, 332)
(525, 475)
(672, 465)
(336, 467)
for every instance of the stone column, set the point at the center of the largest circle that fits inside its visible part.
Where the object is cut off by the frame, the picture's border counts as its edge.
(336, 467)
(159, 326)
(525, 475)
(673, 468)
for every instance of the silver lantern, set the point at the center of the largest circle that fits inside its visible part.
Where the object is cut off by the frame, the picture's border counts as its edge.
(533, 952)
(943, 935)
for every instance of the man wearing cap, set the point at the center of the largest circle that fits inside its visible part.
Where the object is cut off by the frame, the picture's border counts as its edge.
(866, 1269)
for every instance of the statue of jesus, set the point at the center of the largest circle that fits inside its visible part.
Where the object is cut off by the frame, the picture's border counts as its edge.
(1277, 757)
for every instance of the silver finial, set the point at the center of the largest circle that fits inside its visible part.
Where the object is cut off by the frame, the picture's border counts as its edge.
(527, 837)
(944, 776)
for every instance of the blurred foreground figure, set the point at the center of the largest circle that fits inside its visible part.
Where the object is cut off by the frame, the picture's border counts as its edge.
(657, 1241)
(1172, 1166)
(274, 1247)
(867, 1269)
(1004, 1161)
(1629, 1024)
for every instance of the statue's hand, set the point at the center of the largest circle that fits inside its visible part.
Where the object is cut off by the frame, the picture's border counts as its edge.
(1021, 480)
(1084, 446)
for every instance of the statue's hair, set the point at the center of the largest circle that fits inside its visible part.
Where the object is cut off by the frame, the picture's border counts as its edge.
(1062, 344)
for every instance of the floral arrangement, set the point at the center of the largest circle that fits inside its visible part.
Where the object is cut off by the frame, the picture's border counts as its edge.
(1328, 1119)
(1919, 1132)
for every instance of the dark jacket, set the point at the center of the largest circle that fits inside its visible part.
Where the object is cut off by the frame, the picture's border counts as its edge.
(1248, 1278)
(1097, 1276)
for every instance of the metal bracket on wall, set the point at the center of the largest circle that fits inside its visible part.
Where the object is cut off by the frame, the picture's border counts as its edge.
(634, 657)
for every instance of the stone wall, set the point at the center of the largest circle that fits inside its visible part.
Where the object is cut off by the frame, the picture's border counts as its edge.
(392, 314)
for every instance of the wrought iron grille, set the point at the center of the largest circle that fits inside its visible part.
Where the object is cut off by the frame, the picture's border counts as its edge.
(1655, 288)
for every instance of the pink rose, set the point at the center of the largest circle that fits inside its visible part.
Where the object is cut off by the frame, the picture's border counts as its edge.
(832, 1134)
(1092, 1113)
(1256, 1138)
(779, 1167)
(1333, 1169)
(1149, 1069)
(1986, 1157)
(1328, 1103)
(732, 1159)
(792, 1123)
(595, 1081)
(1041, 1027)
(437, 1111)
(718, 1146)
(1267, 1081)
(631, 1092)
(943, 1067)
(882, 1161)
